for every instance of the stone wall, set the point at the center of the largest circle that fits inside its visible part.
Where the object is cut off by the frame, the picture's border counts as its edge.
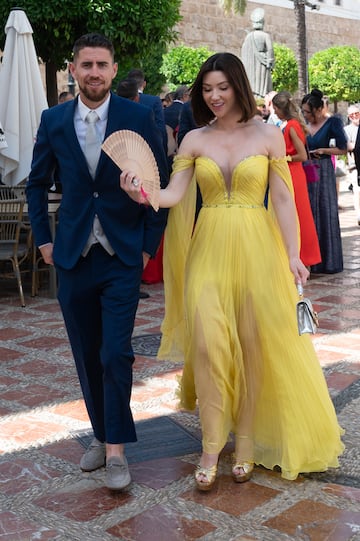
(204, 23)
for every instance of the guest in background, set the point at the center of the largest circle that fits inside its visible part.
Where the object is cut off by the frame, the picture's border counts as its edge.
(261, 108)
(168, 99)
(323, 194)
(154, 102)
(186, 121)
(357, 155)
(338, 173)
(173, 112)
(153, 271)
(351, 131)
(128, 88)
(65, 96)
(172, 119)
(186, 124)
(326, 109)
(270, 116)
(294, 131)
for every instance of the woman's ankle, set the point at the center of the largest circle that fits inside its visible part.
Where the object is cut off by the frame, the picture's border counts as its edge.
(208, 459)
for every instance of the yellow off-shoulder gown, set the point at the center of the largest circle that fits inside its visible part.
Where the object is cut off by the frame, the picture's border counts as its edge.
(230, 314)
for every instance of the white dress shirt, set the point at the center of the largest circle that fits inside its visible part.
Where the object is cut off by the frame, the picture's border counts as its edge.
(97, 234)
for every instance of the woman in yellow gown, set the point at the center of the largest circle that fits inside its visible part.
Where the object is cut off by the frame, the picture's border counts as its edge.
(230, 289)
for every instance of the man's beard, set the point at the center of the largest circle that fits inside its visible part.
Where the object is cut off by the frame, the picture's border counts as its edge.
(95, 95)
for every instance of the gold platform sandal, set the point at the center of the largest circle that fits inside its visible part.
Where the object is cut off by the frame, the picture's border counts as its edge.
(205, 477)
(242, 471)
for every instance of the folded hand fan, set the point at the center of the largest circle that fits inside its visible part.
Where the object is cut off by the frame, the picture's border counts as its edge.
(130, 151)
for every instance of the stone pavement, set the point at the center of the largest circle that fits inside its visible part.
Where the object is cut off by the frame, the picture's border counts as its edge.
(44, 495)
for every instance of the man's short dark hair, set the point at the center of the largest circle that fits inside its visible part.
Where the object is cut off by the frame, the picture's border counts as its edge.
(64, 95)
(127, 88)
(93, 40)
(181, 92)
(138, 75)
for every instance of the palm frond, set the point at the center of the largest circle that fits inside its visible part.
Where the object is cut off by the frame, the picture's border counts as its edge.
(238, 6)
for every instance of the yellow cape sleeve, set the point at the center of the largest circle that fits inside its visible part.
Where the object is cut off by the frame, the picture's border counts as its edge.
(281, 168)
(177, 240)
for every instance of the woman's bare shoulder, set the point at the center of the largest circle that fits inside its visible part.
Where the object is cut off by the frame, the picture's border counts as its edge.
(191, 141)
(271, 130)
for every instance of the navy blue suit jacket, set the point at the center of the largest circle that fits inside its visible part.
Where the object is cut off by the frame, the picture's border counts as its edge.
(187, 122)
(129, 227)
(172, 114)
(357, 154)
(154, 102)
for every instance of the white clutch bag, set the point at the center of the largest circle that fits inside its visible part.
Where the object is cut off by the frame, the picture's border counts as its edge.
(307, 318)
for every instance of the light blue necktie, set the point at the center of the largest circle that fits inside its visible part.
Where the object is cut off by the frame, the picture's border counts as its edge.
(92, 154)
(92, 142)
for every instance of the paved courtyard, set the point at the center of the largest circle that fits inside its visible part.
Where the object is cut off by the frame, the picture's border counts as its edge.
(44, 427)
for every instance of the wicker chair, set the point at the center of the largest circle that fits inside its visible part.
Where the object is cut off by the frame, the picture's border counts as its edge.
(15, 241)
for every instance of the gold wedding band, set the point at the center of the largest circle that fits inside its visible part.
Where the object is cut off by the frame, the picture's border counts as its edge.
(135, 182)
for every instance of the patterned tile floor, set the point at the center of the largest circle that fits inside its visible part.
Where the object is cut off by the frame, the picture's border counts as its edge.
(44, 495)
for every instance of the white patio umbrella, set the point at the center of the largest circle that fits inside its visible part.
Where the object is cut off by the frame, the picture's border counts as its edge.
(3, 143)
(22, 98)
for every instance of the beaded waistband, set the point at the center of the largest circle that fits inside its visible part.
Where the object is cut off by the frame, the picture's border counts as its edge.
(237, 205)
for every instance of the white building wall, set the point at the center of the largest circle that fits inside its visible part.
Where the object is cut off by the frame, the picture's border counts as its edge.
(348, 9)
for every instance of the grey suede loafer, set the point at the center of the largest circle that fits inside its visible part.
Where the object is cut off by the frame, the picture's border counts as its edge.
(94, 456)
(117, 473)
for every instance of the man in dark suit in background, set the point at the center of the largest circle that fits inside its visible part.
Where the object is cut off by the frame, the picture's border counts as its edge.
(356, 152)
(154, 102)
(172, 115)
(173, 112)
(186, 122)
(128, 88)
(103, 240)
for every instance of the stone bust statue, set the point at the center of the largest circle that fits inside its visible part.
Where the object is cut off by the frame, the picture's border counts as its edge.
(257, 55)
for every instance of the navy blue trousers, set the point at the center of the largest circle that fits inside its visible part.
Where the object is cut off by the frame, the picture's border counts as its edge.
(98, 299)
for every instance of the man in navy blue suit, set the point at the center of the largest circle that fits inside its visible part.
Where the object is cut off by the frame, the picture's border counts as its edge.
(173, 112)
(154, 102)
(186, 122)
(172, 115)
(357, 154)
(103, 240)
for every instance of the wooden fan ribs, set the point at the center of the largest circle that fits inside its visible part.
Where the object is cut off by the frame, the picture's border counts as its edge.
(130, 151)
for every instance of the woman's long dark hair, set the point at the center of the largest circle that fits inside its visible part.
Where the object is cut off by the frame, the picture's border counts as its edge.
(314, 100)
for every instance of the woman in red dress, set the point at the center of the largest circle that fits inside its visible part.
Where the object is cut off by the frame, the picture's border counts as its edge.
(294, 131)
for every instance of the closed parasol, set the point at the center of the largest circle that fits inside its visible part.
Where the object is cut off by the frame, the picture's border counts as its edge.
(22, 98)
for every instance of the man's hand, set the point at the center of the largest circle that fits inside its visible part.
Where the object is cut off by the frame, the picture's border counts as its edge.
(146, 258)
(46, 252)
